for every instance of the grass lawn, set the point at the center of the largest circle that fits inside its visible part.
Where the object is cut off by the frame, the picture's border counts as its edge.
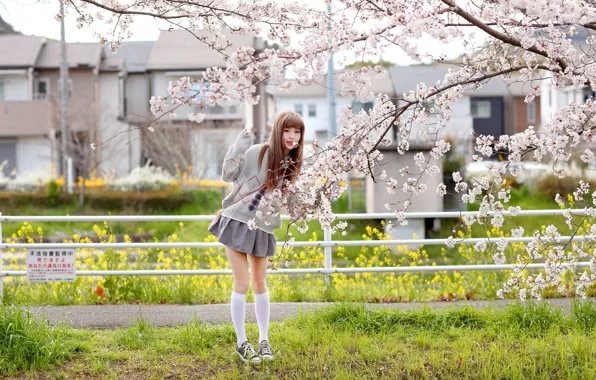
(532, 341)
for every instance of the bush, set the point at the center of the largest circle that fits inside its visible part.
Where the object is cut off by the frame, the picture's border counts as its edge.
(584, 313)
(27, 343)
(53, 193)
(534, 318)
(129, 201)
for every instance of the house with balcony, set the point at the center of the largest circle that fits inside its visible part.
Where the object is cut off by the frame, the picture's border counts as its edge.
(30, 112)
(27, 124)
(109, 103)
(196, 147)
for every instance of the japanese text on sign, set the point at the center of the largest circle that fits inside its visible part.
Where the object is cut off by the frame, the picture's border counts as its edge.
(45, 265)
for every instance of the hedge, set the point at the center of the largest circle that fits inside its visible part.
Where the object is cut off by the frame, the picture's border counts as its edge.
(130, 201)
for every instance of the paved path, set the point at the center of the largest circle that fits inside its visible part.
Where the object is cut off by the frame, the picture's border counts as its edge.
(112, 316)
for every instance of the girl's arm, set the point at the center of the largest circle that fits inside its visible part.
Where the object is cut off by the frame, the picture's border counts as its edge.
(232, 165)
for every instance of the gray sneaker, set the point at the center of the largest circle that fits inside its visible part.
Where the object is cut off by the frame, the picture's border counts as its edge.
(265, 350)
(247, 353)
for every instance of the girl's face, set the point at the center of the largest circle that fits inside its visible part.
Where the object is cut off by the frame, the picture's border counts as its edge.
(290, 139)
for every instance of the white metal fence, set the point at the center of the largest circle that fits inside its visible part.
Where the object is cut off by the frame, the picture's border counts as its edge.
(328, 243)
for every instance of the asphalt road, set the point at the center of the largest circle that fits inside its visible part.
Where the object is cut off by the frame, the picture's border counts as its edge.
(114, 316)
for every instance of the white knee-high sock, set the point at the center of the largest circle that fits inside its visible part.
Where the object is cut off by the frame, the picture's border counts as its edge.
(238, 306)
(262, 312)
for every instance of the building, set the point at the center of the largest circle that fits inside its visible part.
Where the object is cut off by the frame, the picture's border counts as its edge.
(6, 28)
(27, 128)
(197, 147)
(109, 105)
(311, 102)
(496, 108)
(30, 88)
(125, 85)
(554, 99)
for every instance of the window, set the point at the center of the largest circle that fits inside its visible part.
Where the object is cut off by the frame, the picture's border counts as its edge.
(358, 106)
(196, 87)
(480, 108)
(42, 89)
(298, 109)
(588, 94)
(312, 110)
(1, 90)
(431, 107)
(201, 84)
(8, 153)
(531, 112)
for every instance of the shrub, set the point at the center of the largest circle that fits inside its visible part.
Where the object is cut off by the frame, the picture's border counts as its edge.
(53, 193)
(27, 343)
(129, 201)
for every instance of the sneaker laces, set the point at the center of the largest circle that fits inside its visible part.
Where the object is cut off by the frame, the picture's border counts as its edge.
(265, 348)
(249, 350)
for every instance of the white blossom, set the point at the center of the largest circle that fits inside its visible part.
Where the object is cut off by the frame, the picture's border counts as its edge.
(300, 37)
(480, 246)
(457, 177)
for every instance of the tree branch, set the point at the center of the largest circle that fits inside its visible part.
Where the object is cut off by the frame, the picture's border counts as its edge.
(499, 35)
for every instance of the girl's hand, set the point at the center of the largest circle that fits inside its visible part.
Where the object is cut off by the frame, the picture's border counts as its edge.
(218, 213)
(249, 132)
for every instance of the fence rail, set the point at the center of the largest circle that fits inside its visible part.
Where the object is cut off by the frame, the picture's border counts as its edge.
(327, 244)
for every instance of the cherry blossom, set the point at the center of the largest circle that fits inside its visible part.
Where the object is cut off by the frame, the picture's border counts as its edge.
(539, 41)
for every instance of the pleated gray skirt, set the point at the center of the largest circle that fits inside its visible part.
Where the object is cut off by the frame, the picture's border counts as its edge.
(238, 236)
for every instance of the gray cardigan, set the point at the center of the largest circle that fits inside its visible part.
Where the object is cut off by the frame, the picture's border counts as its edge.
(241, 167)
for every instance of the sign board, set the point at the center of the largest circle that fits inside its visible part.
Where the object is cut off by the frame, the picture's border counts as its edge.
(45, 265)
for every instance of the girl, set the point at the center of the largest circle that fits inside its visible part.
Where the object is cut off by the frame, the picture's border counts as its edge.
(255, 170)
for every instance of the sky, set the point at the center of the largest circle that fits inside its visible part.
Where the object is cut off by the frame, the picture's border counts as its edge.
(37, 17)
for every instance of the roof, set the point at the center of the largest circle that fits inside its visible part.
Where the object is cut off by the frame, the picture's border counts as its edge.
(111, 62)
(179, 50)
(6, 28)
(380, 83)
(18, 50)
(406, 78)
(133, 54)
(79, 55)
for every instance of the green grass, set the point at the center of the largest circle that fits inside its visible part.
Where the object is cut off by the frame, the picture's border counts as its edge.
(527, 201)
(521, 341)
(30, 344)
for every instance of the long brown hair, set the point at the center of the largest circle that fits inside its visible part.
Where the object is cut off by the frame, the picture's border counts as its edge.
(275, 147)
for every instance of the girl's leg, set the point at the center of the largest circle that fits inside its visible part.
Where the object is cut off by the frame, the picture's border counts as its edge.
(258, 269)
(241, 283)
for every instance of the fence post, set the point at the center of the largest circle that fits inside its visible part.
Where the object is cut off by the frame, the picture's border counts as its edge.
(1, 274)
(328, 256)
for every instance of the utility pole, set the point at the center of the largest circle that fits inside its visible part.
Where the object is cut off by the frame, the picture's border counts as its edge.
(332, 131)
(64, 101)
